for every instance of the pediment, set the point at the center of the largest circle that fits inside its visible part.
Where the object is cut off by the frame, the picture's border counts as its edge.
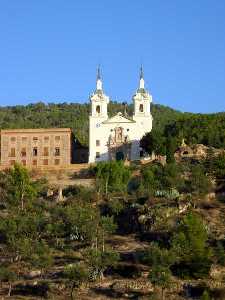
(118, 118)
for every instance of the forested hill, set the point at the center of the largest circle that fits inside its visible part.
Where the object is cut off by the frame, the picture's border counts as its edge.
(75, 116)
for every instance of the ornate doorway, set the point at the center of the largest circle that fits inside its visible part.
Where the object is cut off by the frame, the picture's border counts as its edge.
(119, 145)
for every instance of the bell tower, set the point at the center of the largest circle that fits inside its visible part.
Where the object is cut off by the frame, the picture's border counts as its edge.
(99, 101)
(142, 105)
(98, 114)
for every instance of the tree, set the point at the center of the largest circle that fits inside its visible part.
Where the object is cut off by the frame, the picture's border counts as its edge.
(21, 188)
(112, 176)
(76, 275)
(41, 256)
(9, 276)
(98, 261)
(154, 141)
(189, 245)
(220, 253)
(149, 180)
(107, 226)
(156, 256)
(160, 276)
(199, 183)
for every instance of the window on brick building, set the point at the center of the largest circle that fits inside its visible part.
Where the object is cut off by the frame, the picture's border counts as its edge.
(35, 151)
(46, 152)
(97, 142)
(34, 162)
(57, 162)
(24, 162)
(23, 152)
(97, 154)
(57, 151)
(12, 152)
(45, 162)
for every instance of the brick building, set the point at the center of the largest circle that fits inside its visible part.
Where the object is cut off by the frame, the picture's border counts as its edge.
(36, 147)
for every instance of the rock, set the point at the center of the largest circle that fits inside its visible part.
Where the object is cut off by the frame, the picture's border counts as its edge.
(33, 274)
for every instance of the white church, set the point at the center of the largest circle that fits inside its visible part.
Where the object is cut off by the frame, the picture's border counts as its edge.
(118, 137)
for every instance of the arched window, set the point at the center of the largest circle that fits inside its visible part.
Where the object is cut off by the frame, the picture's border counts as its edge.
(141, 108)
(98, 109)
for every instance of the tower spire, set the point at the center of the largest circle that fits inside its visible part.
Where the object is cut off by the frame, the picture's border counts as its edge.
(99, 80)
(142, 82)
(141, 72)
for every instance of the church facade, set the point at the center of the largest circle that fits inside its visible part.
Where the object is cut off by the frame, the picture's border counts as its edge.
(118, 137)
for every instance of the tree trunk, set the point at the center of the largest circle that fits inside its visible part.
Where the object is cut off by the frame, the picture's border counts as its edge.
(72, 290)
(103, 242)
(22, 201)
(163, 294)
(10, 289)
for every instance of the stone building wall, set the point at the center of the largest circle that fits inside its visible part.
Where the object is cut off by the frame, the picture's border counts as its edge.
(36, 147)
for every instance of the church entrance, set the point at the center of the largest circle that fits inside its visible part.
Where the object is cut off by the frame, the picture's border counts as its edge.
(119, 155)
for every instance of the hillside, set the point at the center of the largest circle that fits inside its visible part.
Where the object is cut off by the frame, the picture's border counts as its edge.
(135, 232)
(71, 115)
(208, 129)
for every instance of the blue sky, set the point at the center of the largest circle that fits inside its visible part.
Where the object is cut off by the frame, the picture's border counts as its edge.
(50, 49)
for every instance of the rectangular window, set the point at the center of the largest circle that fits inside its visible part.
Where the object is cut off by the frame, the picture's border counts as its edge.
(13, 139)
(97, 154)
(23, 152)
(46, 139)
(24, 162)
(57, 151)
(35, 138)
(46, 153)
(57, 162)
(34, 162)
(45, 162)
(97, 143)
(57, 138)
(35, 151)
(12, 152)
(24, 139)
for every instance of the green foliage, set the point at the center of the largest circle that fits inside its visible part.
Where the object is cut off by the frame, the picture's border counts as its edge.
(98, 261)
(150, 180)
(160, 275)
(220, 253)
(219, 166)
(116, 206)
(205, 296)
(205, 129)
(76, 274)
(199, 183)
(155, 142)
(6, 274)
(157, 177)
(41, 256)
(72, 115)
(189, 244)
(112, 176)
(156, 256)
(21, 189)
